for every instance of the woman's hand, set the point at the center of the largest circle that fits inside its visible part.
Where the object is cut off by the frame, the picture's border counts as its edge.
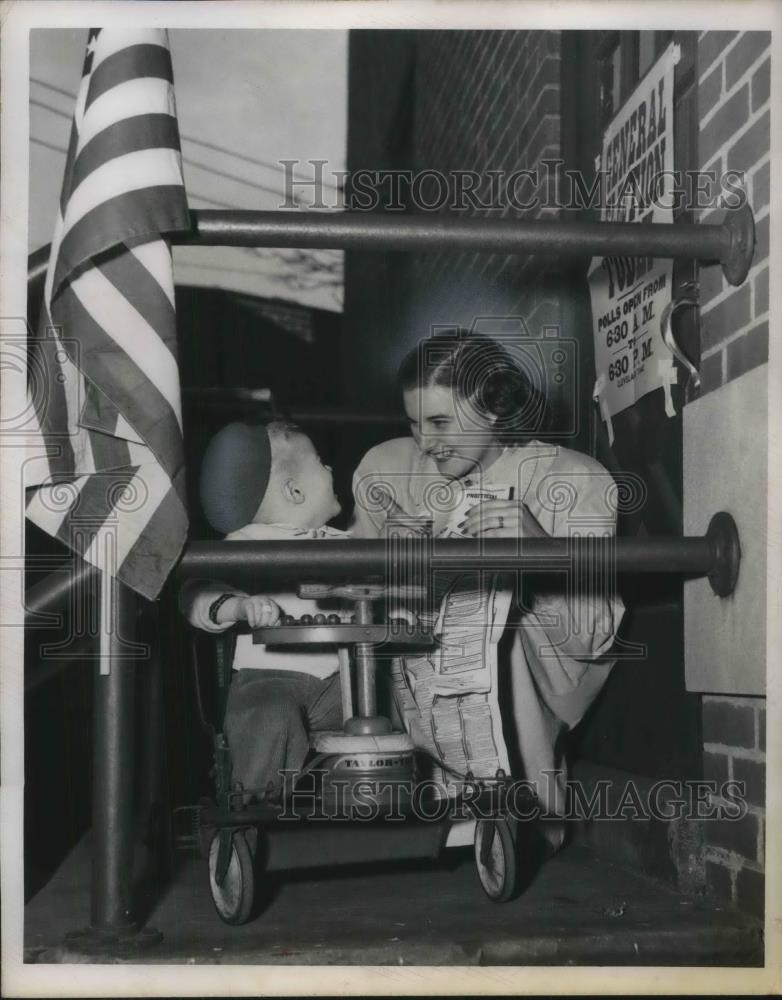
(501, 519)
(413, 527)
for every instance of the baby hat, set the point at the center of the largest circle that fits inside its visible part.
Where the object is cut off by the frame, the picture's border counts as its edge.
(234, 475)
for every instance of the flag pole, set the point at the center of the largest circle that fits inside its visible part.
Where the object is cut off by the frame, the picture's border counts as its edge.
(112, 803)
(114, 923)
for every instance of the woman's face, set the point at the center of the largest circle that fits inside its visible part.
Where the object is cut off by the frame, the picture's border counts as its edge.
(447, 427)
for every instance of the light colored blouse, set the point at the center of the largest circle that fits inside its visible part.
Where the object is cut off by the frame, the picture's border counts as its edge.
(570, 494)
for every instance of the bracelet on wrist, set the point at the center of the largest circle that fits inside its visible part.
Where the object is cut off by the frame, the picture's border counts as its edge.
(215, 606)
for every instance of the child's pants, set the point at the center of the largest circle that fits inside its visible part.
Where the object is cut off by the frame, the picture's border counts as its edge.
(268, 717)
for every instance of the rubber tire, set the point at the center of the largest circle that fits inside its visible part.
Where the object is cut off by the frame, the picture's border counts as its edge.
(500, 882)
(234, 899)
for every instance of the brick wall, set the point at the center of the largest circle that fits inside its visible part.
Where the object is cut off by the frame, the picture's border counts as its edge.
(477, 101)
(734, 739)
(734, 111)
(488, 100)
(381, 72)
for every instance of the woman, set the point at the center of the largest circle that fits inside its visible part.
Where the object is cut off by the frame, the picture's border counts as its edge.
(474, 418)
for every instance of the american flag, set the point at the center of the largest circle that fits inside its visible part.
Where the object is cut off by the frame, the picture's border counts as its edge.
(104, 377)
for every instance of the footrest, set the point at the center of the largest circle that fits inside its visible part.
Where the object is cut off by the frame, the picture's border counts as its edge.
(341, 635)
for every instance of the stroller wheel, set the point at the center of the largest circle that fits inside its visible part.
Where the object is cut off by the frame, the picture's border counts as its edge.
(233, 894)
(495, 859)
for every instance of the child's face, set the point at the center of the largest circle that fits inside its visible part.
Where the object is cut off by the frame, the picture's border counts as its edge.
(316, 482)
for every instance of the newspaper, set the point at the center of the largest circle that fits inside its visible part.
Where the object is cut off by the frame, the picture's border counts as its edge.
(448, 700)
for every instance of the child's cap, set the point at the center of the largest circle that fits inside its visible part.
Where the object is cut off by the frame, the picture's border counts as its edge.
(234, 475)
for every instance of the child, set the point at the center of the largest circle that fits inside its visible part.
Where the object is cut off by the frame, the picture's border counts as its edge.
(267, 482)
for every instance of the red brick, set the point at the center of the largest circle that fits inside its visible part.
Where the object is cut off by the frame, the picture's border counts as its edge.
(710, 46)
(761, 293)
(761, 241)
(753, 774)
(727, 120)
(760, 188)
(709, 90)
(718, 882)
(761, 85)
(747, 352)
(724, 722)
(711, 372)
(711, 283)
(751, 147)
(737, 835)
(715, 767)
(744, 53)
(750, 891)
(717, 325)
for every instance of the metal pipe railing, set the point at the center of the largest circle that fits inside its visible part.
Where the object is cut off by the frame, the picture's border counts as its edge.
(716, 555)
(731, 243)
(260, 564)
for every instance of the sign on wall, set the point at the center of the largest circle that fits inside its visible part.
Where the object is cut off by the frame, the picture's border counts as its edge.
(629, 294)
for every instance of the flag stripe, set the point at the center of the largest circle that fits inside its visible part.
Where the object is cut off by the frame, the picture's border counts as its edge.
(133, 281)
(73, 143)
(109, 391)
(126, 432)
(127, 64)
(132, 214)
(158, 547)
(119, 378)
(100, 418)
(109, 452)
(121, 175)
(73, 147)
(49, 506)
(110, 42)
(155, 256)
(97, 497)
(137, 505)
(146, 96)
(129, 334)
(131, 135)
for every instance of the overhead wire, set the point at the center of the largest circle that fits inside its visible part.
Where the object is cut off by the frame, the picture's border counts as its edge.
(263, 252)
(223, 150)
